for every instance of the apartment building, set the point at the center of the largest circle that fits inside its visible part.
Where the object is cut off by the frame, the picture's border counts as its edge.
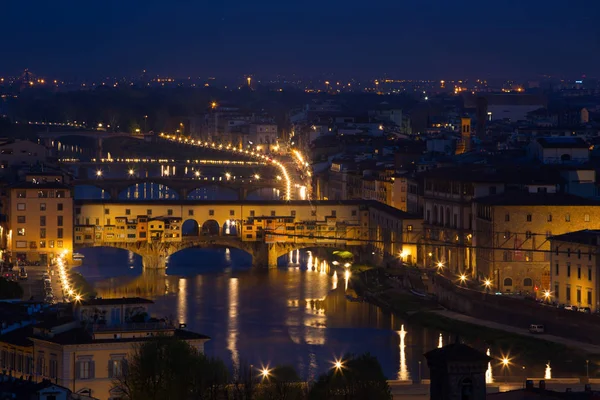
(575, 268)
(39, 218)
(513, 231)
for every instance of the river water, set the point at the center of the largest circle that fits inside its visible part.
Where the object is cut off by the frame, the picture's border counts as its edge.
(295, 315)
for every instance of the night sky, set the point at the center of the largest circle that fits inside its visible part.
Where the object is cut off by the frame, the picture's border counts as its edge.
(438, 39)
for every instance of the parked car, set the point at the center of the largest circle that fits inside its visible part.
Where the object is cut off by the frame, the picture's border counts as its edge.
(571, 308)
(23, 274)
(586, 310)
(535, 328)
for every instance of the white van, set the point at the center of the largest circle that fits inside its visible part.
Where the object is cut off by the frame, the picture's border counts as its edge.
(536, 328)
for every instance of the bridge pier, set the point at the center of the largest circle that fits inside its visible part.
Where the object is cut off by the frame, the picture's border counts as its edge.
(154, 261)
(265, 256)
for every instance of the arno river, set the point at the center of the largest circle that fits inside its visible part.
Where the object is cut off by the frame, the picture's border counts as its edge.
(296, 315)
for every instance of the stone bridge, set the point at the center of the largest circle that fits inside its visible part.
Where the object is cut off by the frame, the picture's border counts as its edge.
(155, 254)
(183, 187)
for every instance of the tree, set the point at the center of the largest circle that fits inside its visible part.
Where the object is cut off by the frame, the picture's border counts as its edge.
(359, 377)
(10, 290)
(283, 383)
(167, 368)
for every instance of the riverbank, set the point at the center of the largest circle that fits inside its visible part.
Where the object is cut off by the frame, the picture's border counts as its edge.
(395, 294)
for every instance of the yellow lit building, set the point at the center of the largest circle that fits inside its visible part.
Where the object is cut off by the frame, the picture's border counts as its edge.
(85, 354)
(575, 269)
(39, 218)
(512, 235)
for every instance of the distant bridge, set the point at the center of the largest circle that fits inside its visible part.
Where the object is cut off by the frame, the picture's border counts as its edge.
(182, 186)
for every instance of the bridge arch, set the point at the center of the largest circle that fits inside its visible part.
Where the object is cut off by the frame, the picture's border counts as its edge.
(190, 227)
(211, 227)
(91, 192)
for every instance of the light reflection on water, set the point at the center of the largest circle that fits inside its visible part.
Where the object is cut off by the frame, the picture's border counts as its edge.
(297, 316)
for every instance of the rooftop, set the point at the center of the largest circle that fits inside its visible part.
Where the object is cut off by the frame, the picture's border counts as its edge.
(83, 336)
(456, 352)
(536, 199)
(562, 142)
(586, 236)
(490, 174)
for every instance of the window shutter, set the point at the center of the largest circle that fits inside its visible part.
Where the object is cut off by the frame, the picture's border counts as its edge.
(77, 369)
(110, 369)
(92, 369)
(124, 367)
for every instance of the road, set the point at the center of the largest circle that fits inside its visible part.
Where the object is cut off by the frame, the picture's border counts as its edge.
(586, 347)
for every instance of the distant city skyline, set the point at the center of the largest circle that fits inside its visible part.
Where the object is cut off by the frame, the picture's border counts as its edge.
(428, 39)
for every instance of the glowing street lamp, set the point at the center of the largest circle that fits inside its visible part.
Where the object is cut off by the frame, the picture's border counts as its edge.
(338, 365)
(265, 373)
(227, 175)
(131, 172)
(197, 173)
(99, 173)
(547, 295)
(463, 278)
(440, 265)
(256, 176)
(487, 283)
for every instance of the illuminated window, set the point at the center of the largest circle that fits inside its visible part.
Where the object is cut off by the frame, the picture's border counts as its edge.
(21, 232)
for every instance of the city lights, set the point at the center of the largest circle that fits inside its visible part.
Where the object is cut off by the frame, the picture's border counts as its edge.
(338, 365)
(487, 283)
(463, 278)
(131, 172)
(99, 173)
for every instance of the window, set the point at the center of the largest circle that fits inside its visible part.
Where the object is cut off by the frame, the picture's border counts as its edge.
(569, 269)
(191, 213)
(170, 211)
(556, 291)
(333, 213)
(59, 243)
(43, 233)
(116, 367)
(549, 217)
(528, 217)
(232, 213)
(507, 282)
(59, 207)
(409, 228)
(127, 211)
(60, 194)
(148, 212)
(51, 244)
(527, 282)
(21, 232)
(568, 293)
(107, 211)
(97, 221)
(589, 274)
(528, 235)
(59, 233)
(578, 295)
(42, 244)
(589, 297)
(21, 194)
(249, 236)
(42, 220)
(507, 235)
(20, 206)
(293, 213)
(568, 217)
(556, 269)
(507, 217)
(273, 213)
(59, 220)
(354, 213)
(586, 217)
(20, 219)
(21, 244)
(84, 369)
(313, 213)
(211, 212)
(252, 213)
(578, 272)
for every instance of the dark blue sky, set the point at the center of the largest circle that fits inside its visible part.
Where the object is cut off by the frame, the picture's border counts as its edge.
(404, 38)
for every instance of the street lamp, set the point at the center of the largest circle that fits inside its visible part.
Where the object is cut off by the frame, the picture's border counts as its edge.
(547, 295)
(256, 176)
(227, 175)
(463, 278)
(487, 283)
(338, 365)
(265, 373)
(99, 173)
(131, 172)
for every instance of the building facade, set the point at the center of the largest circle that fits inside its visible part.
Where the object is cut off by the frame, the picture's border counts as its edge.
(513, 232)
(39, 218)
(575, 269)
